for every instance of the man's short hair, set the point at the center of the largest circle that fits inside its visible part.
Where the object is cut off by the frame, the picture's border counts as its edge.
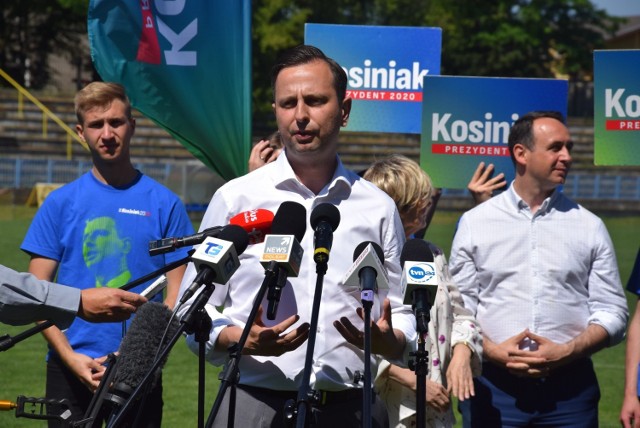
(99, 94)
(304, 54)
(522, 130)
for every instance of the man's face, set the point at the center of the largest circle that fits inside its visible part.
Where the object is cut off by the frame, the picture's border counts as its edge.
(308, 111)
(107, 131)
(549, 162)
(101, 243)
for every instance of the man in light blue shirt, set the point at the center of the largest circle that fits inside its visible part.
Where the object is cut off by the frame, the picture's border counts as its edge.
(540, 274)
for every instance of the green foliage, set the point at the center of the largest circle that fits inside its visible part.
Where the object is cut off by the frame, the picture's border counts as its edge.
(31, 30)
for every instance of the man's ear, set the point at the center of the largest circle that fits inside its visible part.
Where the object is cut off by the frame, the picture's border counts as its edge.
(346, 110)
(520, 154)
(80, 131)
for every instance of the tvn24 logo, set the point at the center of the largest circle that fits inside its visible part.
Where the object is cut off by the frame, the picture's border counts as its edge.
(422, 273)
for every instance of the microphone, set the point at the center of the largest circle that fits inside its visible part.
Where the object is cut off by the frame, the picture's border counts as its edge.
(419, 280)
(138, 351)
(282, 250)
(155, 287)
(367, 270)
(217, 259)
(256, 222)
(325, 218)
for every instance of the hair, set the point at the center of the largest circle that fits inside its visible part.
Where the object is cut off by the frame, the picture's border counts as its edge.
(522, 130)
(402, 179)
(100, 94)
(304, 54)
(275, 141)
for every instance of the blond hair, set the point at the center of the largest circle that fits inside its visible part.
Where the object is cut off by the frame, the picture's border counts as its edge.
(99, 94)
(402, 179)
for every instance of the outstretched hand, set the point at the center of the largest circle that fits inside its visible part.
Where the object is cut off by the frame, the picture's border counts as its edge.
(267, 341)
(385, 340)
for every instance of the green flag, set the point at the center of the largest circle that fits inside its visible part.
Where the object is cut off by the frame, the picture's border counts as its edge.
(187, 66)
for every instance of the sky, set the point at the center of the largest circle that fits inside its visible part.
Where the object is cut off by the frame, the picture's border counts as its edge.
(619, 7)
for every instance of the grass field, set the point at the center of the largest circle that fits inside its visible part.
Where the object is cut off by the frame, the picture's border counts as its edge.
(22, 367)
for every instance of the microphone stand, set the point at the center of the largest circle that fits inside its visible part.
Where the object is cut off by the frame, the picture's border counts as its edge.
(421, 366)
(192, 318)
(7, 342)
(306, 396)
(230, 375)
(367, 303)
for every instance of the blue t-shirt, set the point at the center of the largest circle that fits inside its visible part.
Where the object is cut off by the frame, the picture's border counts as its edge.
(100, 237)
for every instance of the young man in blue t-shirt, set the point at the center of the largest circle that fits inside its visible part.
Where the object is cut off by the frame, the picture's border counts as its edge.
(94, 232)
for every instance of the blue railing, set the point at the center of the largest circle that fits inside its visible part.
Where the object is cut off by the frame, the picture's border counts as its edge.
(25, 173)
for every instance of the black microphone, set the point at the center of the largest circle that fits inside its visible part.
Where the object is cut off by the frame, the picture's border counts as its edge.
(255, 222)
(325, 219)
(138, 351)
(419, 280)
(217, 259)
(282, 249)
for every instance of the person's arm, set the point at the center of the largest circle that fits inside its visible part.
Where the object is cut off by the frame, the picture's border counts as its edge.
(81, 365)
(630, 411)
(174, 279)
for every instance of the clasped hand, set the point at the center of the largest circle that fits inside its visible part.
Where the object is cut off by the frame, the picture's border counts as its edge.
(530, 363)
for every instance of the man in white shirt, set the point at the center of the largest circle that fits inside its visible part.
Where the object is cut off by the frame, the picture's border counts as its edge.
(310, 106)
(540, 273)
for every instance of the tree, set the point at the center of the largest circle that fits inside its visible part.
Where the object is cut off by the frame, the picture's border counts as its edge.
(31, 30)
(503, 38)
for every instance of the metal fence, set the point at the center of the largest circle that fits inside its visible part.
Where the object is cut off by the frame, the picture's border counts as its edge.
(195, 183)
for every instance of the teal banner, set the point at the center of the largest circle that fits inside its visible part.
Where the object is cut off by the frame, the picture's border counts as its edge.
(186, 66)
(616, 117)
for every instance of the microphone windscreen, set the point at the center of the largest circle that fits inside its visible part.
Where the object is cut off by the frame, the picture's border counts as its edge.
(360, 248)
(325, 212)
(416, 250)
(290, 219)
(140, 345)
(237, 235)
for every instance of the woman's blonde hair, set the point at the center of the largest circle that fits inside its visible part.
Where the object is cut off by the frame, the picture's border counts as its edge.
(402, 179)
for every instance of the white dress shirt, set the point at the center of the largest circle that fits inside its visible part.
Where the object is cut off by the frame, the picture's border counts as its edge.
(553, 272)
(367, 214)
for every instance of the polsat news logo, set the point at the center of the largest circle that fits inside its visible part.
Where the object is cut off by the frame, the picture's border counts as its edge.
(622, 110)
(422, 273)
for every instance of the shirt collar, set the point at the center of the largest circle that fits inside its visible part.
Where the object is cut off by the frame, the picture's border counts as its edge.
(284, 177)
(519, 204)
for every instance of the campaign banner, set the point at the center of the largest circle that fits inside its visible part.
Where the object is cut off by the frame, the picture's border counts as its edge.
(186, 66)
(466, 120)
(616, 118)
(385, 67)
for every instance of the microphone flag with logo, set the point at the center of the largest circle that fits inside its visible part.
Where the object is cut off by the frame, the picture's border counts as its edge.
(282, 250)
(419, 282)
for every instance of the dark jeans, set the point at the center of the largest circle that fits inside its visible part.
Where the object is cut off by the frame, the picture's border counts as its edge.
(62, 383)
(568, 397)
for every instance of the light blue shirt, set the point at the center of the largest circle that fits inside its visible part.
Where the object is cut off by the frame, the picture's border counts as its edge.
(553, 272)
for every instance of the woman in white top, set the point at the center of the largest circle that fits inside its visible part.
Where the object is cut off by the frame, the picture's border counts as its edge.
(454, 341)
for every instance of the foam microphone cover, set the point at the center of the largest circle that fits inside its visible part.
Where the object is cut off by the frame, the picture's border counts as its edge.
(237, 235)
(325, 212)
(290, 219)
(140, 345)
